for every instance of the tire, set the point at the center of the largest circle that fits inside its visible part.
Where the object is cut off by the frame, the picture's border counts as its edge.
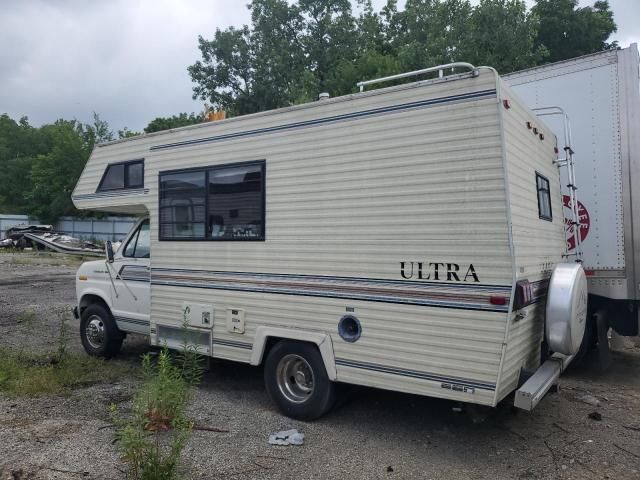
(589, 340)
(296, 380)
(99, 333)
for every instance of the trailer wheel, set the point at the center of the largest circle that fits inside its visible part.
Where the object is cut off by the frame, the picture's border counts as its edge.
(99, 333)
(589, 340)
(296, 380)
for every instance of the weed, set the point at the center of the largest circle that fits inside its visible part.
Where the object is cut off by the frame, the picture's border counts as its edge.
(31, 375)
(26, 318)
(63, 315)
(54, 373)
(152, 440)
(20, 257)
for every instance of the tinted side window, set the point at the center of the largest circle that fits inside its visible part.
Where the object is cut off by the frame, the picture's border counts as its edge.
(120, 176)
(182, 205)
(235, 202)
(113, 178)
(135, 175)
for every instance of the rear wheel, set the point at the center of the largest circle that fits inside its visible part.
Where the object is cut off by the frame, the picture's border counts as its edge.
(590, 338)
(99, 333)
(297, 382)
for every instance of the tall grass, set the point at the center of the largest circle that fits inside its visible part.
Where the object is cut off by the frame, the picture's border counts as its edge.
(32, 375)
(152, 438)
(58, 372)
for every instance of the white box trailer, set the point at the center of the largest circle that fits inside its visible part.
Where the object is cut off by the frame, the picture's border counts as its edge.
(600, 93)
(402, 238)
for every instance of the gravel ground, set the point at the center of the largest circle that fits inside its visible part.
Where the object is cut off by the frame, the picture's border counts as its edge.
(371, 434)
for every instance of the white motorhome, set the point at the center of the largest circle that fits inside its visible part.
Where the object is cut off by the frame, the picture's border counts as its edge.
(402, 238)
(600, 94)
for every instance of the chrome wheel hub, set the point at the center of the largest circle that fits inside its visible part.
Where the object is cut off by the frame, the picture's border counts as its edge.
(95, 331)
(295, 378)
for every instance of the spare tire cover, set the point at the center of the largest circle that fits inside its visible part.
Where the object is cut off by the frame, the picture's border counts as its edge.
(566, 313)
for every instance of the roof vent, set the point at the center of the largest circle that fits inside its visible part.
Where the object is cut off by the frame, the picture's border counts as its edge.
(324, 96)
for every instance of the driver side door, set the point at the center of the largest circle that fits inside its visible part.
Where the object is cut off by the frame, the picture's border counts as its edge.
(131, 286)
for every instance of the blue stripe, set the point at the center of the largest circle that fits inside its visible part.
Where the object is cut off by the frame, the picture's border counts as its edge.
(135, 321)
(134, 279)
(231, 343)
(415, 374)
(474, 286)
(135, 273)
(117, 193)
(352, 296)
(332, 119)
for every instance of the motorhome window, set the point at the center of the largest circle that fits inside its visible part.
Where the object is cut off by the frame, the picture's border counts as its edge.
(139, 243)
(113, 178)
(236, 202)
(134, 175)
(120, 176)
(182, 205)
(544, 197)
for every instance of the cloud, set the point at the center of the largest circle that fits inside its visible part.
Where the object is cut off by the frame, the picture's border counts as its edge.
(127, 59)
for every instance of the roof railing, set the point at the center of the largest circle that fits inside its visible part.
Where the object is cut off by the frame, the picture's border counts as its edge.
(438, 68)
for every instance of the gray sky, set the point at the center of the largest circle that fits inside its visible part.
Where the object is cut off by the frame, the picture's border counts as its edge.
(127, 59)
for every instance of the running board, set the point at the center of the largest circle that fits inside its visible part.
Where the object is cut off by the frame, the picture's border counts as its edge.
(534, 389)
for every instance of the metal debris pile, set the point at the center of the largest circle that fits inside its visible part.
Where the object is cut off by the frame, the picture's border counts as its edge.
(43, 237)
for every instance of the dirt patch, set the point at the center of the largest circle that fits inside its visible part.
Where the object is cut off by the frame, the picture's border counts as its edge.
(371, 434)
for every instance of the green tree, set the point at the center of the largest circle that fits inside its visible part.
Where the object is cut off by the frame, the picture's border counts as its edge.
(287, 56)
(19, 144)
(567, 31)
(126, 133)
(99, 131)
(328, 40)
(277, 57)
(175, 121)
(428, 32)
(55, 173)
(293, 51)
(225, 75)
(502, 35)
(373, 55)
(39, 167)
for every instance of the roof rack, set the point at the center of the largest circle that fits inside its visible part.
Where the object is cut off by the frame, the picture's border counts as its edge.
(438, 68)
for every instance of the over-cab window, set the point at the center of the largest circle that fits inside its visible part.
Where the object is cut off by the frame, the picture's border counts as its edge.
(120, 176)
(225, 202)
(544, 197)
(139, 245)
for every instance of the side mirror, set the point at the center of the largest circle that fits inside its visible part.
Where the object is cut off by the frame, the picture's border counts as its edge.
(108, 250)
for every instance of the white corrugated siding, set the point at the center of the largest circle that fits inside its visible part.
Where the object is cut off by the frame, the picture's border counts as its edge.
(353, 199)
(538, 243)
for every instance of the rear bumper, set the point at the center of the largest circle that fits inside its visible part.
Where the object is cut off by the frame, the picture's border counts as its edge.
(534, 389)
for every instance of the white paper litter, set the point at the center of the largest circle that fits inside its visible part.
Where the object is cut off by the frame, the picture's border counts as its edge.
(287, 437)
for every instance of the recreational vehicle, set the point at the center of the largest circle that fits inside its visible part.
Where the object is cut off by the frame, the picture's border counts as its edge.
(600, 94)
(408, 238)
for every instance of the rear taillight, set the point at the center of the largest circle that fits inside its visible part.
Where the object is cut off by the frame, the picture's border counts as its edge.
(498, 300)
(524, 294)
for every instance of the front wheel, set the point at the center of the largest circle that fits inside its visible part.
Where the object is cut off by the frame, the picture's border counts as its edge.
(99, 333)
(296, 380)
